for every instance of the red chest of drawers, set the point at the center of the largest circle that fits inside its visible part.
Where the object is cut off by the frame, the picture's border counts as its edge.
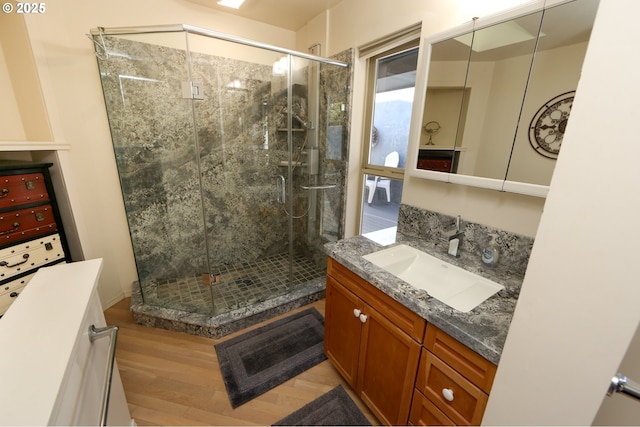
(31, 232)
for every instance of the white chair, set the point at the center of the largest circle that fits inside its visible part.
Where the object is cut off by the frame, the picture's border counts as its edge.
(391, 160)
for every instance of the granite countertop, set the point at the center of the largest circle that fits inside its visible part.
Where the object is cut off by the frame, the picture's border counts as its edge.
(483, 329)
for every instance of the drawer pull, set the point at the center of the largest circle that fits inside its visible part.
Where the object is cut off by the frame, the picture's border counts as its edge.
(16, 225)
(13, 294)
(363, 318)
(5, 193)
(356, 312)
(6, 264)
(447, 393)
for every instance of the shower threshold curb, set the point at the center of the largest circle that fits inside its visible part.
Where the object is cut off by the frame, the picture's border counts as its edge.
(219, 325)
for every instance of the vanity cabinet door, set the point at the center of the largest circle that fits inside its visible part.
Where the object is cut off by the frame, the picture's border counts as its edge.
(387, 368)
(342, 329)
(373, 341)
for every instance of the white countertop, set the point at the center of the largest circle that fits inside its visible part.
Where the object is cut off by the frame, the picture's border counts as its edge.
(38, 335)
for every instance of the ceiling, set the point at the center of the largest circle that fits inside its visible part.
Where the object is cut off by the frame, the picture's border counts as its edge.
(289, 14)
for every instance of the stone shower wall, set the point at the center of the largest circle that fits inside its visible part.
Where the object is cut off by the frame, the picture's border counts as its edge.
(164, 160)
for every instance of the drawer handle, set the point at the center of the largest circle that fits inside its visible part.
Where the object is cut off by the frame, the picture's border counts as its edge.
(363, 318)
(6, 264)
(13, 294)
(447, 393)
(356, 312)
(5, 193)
(16, 225)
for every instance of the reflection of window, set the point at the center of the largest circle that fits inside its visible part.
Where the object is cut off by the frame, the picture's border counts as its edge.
(390, 91)
(390, 108)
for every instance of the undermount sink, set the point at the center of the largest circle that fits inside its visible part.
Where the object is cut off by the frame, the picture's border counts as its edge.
(452, 285)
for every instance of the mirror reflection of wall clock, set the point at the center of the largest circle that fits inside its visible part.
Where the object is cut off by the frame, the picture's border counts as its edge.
(549, 124)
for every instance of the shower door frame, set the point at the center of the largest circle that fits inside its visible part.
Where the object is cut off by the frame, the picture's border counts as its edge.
(178, 28)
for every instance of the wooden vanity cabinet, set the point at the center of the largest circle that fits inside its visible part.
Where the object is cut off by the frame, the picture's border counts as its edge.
(373, 341)
(453, 382)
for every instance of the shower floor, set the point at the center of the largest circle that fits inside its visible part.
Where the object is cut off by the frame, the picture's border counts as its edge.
(248, 293)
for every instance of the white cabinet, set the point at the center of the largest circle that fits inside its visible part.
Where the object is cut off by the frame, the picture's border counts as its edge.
(52, 374)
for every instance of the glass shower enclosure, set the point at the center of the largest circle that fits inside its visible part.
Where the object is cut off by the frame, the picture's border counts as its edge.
(232, 161)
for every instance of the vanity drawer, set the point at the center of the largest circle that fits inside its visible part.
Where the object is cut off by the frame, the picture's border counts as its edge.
(470, 364)
(35, 253)
(26, 223)
(10, 291)
(436, 379)
(425, 413)
(21, 189)
(401, 316)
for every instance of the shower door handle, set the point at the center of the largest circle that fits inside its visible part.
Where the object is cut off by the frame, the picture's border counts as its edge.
(281, 191)
(318, 187)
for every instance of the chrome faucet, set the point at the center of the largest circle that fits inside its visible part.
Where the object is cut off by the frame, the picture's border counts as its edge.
(455, 240)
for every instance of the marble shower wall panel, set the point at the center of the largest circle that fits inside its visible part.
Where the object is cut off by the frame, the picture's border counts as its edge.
(335, 122)
(153, 137)
(244, 222)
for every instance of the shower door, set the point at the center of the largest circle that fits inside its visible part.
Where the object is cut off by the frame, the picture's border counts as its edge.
(255, 131)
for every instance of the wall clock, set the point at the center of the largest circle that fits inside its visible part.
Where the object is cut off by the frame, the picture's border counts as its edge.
(549, 124)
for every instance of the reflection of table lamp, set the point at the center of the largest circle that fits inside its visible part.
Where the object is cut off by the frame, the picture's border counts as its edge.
(431, 128)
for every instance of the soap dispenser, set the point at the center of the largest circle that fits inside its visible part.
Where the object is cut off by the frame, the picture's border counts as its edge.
(490, 250)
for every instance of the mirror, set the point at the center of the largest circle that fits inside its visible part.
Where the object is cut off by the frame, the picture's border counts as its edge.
(445, 107)
(552, 85)
(497, 97)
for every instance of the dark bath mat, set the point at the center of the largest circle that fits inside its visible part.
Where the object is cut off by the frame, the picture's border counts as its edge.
(334, 408)
(259, 360)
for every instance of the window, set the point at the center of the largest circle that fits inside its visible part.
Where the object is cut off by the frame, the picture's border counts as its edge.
(391, 77)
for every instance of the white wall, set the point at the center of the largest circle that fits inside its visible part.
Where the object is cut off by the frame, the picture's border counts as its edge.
(578, 309)
(26, 115)
(70, 82)
(622, 410)
(10, 120)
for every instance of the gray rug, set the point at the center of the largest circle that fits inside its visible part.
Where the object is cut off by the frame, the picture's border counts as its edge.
(263, 358)
(334, 408)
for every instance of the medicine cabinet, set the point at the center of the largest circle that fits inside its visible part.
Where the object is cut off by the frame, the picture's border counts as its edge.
(493, 96)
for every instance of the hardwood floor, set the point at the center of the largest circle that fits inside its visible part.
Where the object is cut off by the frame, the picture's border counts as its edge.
(173, 378)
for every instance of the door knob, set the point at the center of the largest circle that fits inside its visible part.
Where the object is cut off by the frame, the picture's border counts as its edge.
(363, 318)
(356, 312)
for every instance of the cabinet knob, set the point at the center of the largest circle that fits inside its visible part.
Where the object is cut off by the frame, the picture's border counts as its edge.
(356, 312)
(363, 318)
(447, 393)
